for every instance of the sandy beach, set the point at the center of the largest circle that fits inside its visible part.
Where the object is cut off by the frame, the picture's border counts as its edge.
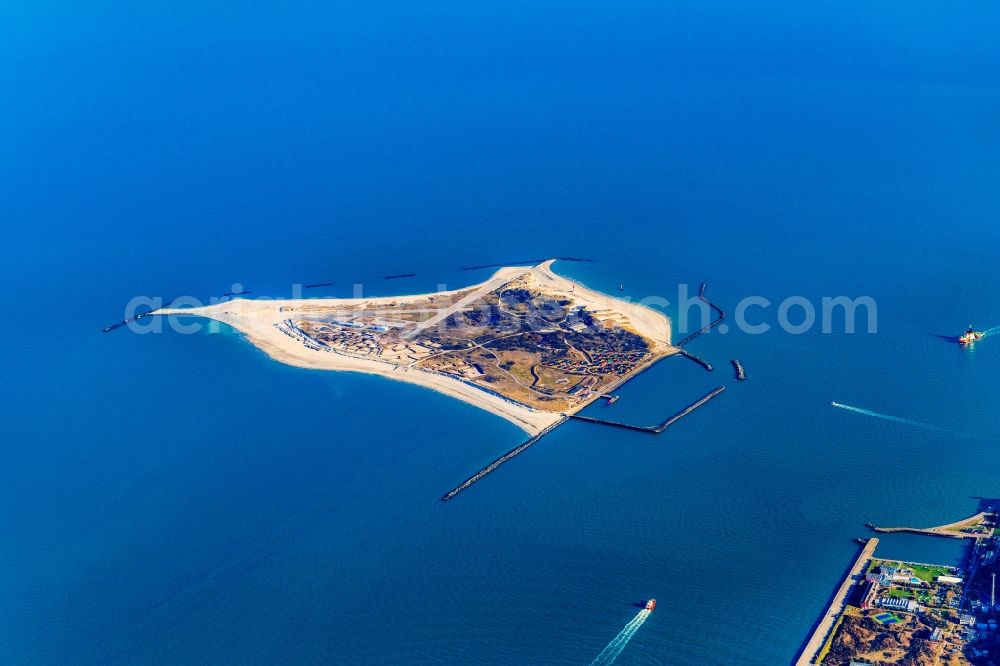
(258, 319)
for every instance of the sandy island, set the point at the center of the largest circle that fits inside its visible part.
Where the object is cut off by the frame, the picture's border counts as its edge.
(260, 320)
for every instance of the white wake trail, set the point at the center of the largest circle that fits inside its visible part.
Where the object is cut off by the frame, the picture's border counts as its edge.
(895, 419)
(618, 643)
(991, 331)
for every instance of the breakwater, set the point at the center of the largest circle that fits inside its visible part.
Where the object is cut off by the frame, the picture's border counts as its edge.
(710, 325)
(697, 359)
(827, 623)
(315, 285)
(519, 263)
(608, 395)
(108, 329)
(657, 429)
(127, 320)
(741, 374)
(955, 530)
(499, 461)
(398, 276)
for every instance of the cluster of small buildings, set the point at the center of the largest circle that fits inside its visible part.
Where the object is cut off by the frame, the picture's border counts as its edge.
(583, 388)
(456, 365)
(409, 352)
(880, 581)
(620, 363)
(600, 363)
(292, 331)
(351, 338)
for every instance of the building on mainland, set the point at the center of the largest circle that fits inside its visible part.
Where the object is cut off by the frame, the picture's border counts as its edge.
(869, 594)
(899, 603)
(886, 575)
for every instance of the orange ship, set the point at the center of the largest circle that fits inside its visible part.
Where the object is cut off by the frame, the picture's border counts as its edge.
(651, 604)
(970, 336)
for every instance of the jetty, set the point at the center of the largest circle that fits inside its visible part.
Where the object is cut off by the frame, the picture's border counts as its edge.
(534, 440)
(697, 359)
(953, 530)
(127, 321)
(499, 461)
(657, 429)
(108, 329)
(741, 374)
(704, 329)
(824, 629)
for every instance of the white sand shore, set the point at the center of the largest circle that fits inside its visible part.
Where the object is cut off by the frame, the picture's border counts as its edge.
(256, 319)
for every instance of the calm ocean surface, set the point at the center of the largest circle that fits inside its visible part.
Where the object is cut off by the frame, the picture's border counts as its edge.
(182, 499)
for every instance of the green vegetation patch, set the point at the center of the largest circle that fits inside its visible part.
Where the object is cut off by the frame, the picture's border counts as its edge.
(929, 574)
(926, 573)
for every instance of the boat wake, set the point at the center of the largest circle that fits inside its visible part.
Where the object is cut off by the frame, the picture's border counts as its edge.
(991, 331)
(895, 419)
(618, 643)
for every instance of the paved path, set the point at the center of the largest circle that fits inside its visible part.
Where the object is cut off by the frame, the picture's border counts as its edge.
(502, 277)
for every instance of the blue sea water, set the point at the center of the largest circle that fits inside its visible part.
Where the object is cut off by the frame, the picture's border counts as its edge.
(182, 499)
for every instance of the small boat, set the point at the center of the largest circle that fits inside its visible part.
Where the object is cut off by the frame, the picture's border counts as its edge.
(970, 336)
(651, 604)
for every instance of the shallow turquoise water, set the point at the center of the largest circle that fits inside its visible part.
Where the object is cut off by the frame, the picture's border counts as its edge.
(170, 498)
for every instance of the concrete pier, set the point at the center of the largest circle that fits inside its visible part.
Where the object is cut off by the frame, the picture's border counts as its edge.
(951, 530)
(856, 574)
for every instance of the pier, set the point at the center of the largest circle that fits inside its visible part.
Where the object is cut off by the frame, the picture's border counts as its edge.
(612, 399)
(951, 530)
(657, 429)
(741, 374)
(499, 461)
(828, 622)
